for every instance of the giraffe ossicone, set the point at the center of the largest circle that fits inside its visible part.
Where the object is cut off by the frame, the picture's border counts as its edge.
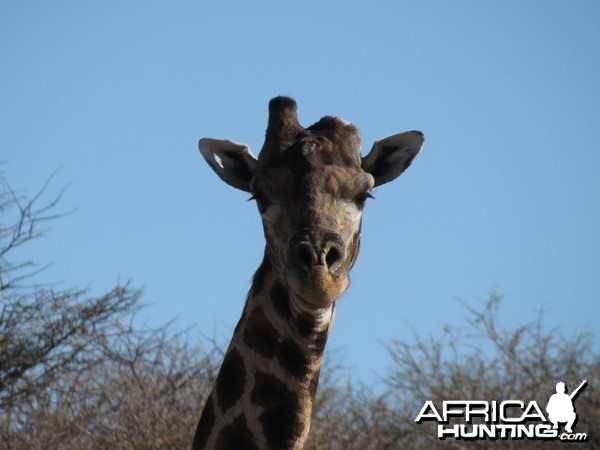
(310, 186)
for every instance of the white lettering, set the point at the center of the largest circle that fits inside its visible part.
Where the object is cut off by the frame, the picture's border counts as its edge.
(448, 411)
(434, 415)
(504, 420)
(573, 437)
(452, 431)
(472, 410)
(545, 431)
(537, 414)
(503, 411)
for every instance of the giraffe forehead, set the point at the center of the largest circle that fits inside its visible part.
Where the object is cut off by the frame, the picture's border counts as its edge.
(329, 180)
(329, 141)
(324, 159)
(338, 181)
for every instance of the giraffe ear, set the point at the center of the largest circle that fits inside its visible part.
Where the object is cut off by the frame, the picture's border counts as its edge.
(392, 155)
(233, 162)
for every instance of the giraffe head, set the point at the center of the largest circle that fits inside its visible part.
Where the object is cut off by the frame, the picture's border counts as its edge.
(310, 185)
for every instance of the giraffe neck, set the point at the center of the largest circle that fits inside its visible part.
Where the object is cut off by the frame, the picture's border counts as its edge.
(264, 393)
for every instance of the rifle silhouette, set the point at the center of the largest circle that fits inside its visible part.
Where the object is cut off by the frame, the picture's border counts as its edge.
(576, 391)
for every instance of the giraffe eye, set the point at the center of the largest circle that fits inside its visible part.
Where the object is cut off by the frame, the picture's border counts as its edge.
(262, 205)
(361, 198)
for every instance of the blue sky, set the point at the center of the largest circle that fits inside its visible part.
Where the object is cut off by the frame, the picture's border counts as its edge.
(505, 196)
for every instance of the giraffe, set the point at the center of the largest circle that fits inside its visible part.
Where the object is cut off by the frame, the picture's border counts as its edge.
(310, 186)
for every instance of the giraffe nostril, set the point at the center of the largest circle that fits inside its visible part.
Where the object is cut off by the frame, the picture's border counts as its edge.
(333, 258)
(304, 256)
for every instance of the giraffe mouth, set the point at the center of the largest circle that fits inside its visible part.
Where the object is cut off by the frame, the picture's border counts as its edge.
(318, 287)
